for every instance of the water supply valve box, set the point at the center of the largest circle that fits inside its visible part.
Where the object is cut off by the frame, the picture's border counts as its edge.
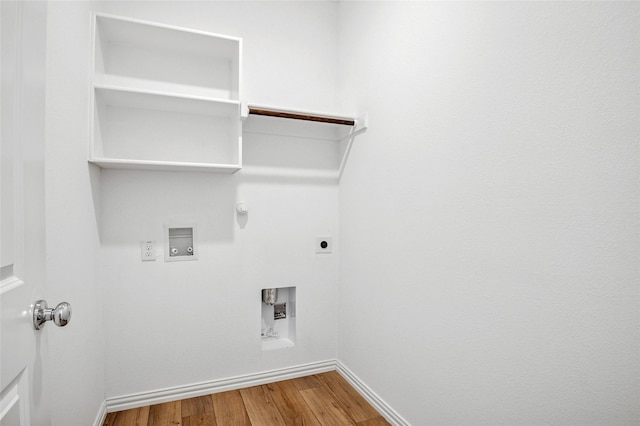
(180, 243)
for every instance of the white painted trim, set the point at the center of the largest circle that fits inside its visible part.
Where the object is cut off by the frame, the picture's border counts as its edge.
(102, 414)
(9, 284)
(378, 403)
(16, 394)
(159, 396)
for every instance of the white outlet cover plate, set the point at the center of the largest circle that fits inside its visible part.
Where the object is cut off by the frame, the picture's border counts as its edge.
(329, 244)
(147, 251)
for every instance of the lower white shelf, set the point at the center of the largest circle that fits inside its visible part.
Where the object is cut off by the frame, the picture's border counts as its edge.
(135, 129)
(115, 163)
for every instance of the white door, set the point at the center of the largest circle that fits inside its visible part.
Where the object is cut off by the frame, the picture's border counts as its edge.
(23, 350)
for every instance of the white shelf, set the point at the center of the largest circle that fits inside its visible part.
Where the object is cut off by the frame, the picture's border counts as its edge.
(287, 127)
(162, 101)
(148, 55)
(296, 123)
(165, 98)
(168, 98)
(116, 163)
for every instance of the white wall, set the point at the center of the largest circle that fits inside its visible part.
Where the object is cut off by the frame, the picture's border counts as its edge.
(489, 217)
(177, 323)
(76, 361)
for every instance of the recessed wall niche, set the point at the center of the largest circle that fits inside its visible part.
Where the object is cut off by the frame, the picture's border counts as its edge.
(180, 243)
(278, 328)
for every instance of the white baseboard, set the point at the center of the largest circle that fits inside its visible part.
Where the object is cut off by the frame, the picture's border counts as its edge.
(102, 414)
(378, 403)
(214, 386)
(142, 399)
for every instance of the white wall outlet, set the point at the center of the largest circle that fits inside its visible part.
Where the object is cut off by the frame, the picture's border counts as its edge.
(324, 244)
(147, 251)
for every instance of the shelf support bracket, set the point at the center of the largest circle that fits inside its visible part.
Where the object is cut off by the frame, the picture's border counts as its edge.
(344, 144)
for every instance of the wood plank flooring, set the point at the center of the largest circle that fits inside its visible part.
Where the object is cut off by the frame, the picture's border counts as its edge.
(325, 399)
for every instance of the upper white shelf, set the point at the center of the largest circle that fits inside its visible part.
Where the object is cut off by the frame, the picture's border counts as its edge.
(150, 56)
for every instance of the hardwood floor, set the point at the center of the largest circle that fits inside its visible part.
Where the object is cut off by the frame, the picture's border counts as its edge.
(325, 399)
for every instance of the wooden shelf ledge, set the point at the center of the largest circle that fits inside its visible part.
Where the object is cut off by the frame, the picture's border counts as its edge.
(300, 116)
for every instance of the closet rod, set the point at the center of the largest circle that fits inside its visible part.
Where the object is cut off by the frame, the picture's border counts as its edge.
(298, 116)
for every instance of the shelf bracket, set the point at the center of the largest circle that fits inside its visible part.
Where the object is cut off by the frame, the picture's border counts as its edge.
(361, 125)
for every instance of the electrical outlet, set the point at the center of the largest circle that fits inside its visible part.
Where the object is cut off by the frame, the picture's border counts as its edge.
(324, 244)
(147, 252)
